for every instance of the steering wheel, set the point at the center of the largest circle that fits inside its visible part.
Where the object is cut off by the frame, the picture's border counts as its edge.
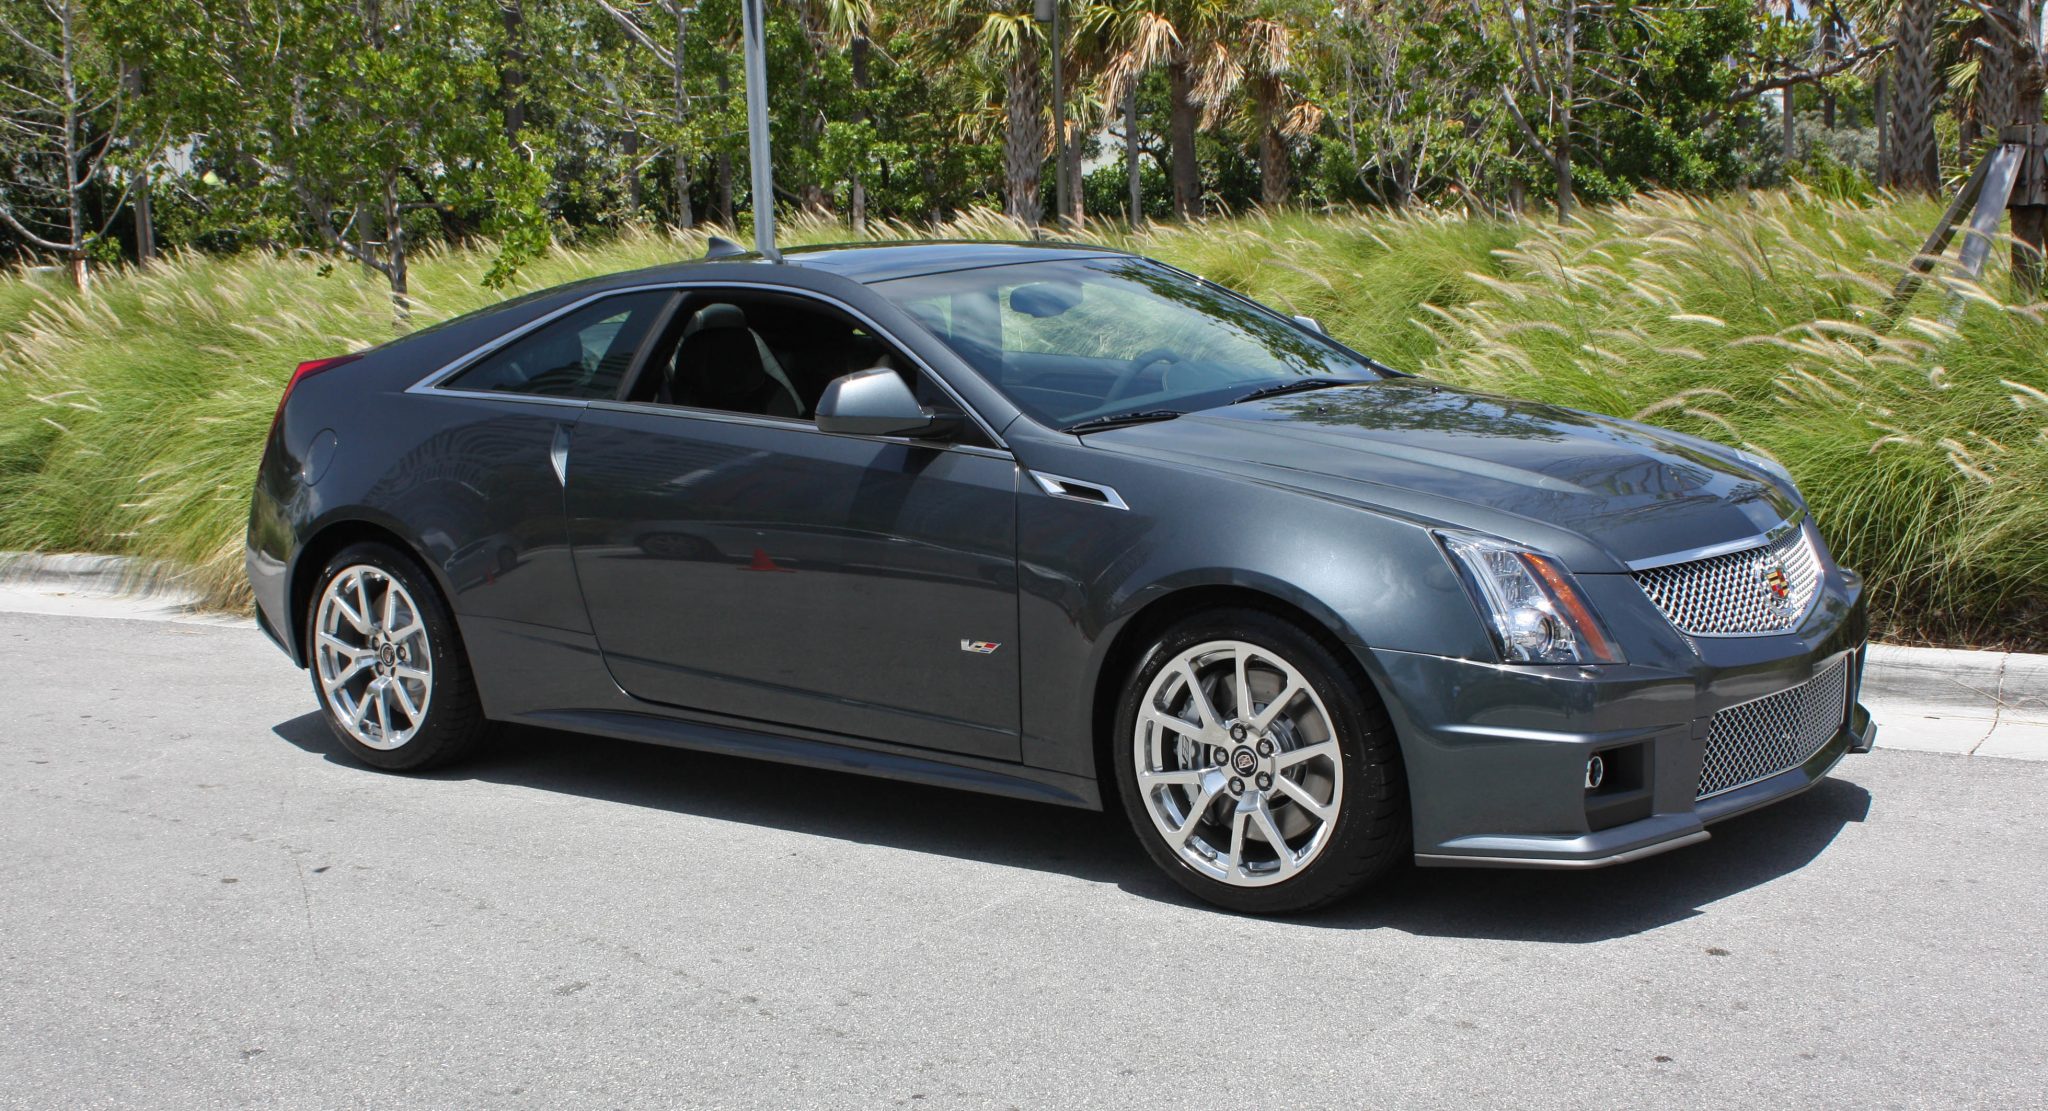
(1139, 364)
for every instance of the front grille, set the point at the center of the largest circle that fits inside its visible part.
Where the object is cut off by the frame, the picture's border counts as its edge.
(1759, 739)
(1734, 595)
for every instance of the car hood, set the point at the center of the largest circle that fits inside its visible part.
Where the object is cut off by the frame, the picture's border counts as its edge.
(1593, 490)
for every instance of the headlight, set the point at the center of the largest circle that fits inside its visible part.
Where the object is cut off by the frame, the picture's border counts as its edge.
(1531, 602)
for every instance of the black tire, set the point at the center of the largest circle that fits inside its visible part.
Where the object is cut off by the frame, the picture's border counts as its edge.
(453, 722)
(1370, 834)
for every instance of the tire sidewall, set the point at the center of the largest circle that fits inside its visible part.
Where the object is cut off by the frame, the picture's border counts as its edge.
(1374, 784)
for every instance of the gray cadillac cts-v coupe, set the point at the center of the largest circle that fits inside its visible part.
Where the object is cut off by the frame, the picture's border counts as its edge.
(1062, 523)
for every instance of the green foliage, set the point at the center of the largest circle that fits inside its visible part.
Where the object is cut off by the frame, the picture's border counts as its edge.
(130, 421)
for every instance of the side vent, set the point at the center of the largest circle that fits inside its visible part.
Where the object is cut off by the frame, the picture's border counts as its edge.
(719, 246)
(1073, 489)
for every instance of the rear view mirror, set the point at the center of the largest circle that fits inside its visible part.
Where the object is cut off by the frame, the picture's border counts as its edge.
(1312, 324)
(877, 402)
(1043, 299)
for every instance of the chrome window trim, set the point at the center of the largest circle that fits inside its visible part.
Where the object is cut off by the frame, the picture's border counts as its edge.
(1720, 548)
(786, 424)
(431, 383)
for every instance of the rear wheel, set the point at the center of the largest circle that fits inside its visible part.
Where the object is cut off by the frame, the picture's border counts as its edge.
(1257, 766)
(387, 665)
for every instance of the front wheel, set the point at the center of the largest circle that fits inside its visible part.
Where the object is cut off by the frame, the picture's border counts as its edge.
(1258, 767)
(387, 665)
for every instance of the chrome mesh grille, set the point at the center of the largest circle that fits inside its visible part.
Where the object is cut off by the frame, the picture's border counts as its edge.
(1731, 595)
(1759, 739)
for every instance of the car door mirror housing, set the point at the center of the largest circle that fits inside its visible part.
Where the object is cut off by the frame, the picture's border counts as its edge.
(877, 402)
(1312, 324)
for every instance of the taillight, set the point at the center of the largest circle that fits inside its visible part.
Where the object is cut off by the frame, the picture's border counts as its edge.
(307, 370)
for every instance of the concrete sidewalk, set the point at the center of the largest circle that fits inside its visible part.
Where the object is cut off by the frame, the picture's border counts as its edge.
(1959, 702)
(1945, 700)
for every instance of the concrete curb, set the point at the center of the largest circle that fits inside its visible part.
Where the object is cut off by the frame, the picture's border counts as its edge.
(86, 585)
(1946, 700)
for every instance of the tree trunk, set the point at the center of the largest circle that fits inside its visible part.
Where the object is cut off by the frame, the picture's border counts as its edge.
(1023, 134)
(1997, 101)
(1136, 179)
(1274, 186)
(1562, 145)
(725, 159)
(512, 68)
(1884, 128)
(145, 218)
(394, 250)
(857, 192)
(1917, 157)
(629, 145)
(2029, 221)
(1789, 120)
(1187, 173)
(1077, 205)
(140, 201)
(679, 90)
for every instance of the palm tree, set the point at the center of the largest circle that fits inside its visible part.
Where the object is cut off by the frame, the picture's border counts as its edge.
(1170, 34)
(998, 35)
(1258, 54)
(1916, 158)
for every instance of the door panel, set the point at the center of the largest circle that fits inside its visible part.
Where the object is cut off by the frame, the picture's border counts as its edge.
(770, 571)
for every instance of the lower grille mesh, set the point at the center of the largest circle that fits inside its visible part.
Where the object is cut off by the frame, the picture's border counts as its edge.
(1759, 739)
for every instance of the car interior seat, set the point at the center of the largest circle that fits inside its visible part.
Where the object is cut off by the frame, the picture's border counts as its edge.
(722, 364)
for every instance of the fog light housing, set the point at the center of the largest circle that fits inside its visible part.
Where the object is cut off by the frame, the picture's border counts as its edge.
(1596, 772)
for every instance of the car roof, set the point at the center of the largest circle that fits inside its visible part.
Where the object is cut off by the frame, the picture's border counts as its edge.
(860, 262)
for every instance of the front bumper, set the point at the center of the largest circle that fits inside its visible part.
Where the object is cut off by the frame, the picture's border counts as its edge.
(1496, 754)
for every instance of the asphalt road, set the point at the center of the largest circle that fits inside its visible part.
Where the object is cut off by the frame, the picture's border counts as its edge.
(202, 904)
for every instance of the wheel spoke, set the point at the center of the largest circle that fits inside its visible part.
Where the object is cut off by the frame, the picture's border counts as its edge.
(1176, 725)
(412, 628)
(1194, 816)
(363, 603)
(1244, 684)
(354, 668)
(383, 689)
(1270, 830)
(1302, 798)
(337, 645)
(405, 703)
(1198, 698)
(407, 671)
(390, 606)
(1324, 749)
(1278, 706)
(1177, 777)
(1230, 862)
(361, 712)
(348, 613)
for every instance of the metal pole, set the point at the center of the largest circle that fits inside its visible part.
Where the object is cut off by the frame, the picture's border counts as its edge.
(762, 171)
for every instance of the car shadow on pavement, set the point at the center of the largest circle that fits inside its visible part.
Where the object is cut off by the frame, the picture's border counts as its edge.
(1542, 906)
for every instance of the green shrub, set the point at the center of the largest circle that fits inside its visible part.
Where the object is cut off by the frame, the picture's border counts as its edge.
(130, 420)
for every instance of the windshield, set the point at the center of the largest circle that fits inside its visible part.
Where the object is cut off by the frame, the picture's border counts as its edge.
(1081, 339)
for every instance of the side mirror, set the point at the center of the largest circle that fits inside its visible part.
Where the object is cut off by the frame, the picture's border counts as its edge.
(1312, 324)
(877, 403)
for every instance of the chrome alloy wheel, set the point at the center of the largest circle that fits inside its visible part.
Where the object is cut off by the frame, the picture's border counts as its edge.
(371, 655)
(1238, 764)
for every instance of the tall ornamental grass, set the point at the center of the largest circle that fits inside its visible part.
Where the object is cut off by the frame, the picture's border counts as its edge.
(131, 419)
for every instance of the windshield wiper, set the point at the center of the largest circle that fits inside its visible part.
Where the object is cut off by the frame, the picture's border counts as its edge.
(1297, 386)
(1118, 420)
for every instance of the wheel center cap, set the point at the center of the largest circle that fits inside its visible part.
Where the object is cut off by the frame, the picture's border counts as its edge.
(1244, 761)
(387, 654)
